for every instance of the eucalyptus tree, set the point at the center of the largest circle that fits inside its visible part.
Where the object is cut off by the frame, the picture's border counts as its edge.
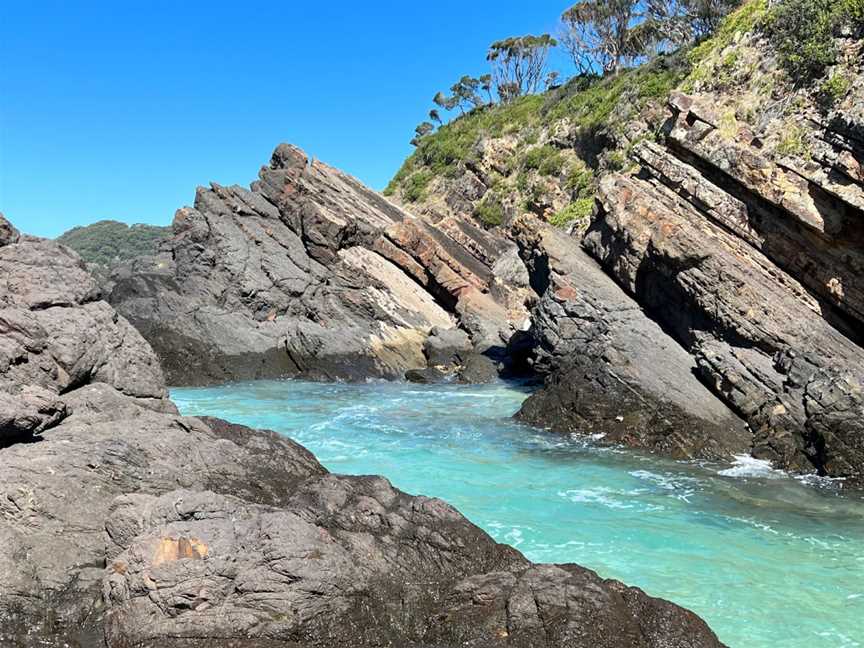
(422, 130)
(519, 64)
(599, 33)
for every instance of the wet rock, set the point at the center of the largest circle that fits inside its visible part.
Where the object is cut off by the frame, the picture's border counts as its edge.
(478, 369)
(447, 347)
(428, 376)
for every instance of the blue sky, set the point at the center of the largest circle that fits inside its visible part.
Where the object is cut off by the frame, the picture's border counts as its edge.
(120, 109)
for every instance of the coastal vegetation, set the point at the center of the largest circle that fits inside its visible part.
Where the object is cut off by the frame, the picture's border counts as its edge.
(107, 242)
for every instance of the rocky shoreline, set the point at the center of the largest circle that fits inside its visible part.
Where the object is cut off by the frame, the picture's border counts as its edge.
(126, 524)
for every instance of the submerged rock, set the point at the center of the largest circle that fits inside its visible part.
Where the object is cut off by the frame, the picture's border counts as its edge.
(311, 274)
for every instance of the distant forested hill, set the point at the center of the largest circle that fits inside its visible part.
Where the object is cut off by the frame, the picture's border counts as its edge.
(108, 241)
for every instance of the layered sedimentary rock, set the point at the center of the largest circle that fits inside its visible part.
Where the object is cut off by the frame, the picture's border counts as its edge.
(125, 524)
(752, 262)
(310, 273)
(612, 371)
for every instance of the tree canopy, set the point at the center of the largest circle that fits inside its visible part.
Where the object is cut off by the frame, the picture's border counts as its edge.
(519, 64)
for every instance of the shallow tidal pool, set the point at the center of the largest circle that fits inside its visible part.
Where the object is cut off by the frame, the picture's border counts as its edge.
(765, 559)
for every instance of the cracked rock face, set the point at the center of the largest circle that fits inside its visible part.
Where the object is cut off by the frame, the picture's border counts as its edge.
(752, 265)
(309, 273)
(354, 562)
(125, 524)
(611, 371)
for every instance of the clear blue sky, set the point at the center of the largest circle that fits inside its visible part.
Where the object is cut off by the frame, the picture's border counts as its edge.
(120, 109)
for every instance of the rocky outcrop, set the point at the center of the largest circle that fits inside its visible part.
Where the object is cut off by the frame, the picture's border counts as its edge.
(309, 273)
(126, 524)
(353, 562)
(752, 262)
(612, 372)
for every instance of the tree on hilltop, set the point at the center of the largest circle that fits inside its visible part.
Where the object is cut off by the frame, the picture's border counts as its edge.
(465, 92)
(599, 33)
(422, 130)
(519, 64)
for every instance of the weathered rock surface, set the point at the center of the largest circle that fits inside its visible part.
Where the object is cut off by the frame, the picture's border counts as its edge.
(126, 524)
(8, 234)
(611, 370)
(309, 273)
(755, 269)
(353, 562)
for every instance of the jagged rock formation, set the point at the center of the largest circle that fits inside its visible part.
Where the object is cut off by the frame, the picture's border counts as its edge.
(731, 213)
(125, 524)
(746, 264)
(309, 273)
(612, 371)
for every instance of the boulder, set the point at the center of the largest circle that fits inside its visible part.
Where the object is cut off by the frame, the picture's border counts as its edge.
(478, 369)
(28, 411)
(8, 233)
(428, 376)
(447, 347)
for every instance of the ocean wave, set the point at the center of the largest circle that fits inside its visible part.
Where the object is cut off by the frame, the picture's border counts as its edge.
(747, 466)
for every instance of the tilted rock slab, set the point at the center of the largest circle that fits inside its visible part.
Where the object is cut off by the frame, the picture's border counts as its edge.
(757, 334)
(611, 371)
(310, 273)
(125, 524)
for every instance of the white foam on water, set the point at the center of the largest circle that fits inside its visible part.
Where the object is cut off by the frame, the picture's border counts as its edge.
(747, 466)
(603, 496)
(679, 487)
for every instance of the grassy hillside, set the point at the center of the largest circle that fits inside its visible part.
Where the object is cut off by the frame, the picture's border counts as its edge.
(543, 153)
(108, 242)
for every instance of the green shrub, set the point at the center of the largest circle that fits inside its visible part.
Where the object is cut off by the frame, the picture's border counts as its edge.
(579, 211)
(414, 188)
(579, 180)
(740, 21)
(552, 165)
(794, 142)
(490, 211)
(803, 32)
(834, 89)
(535, 157)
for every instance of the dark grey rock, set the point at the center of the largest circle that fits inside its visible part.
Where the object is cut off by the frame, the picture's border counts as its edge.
(126, 524)
(352, 561)
(447, 347)
(427, 376)
(478, 369)
(759, 338)
(27, 412)
(611, 371)
(309, 273)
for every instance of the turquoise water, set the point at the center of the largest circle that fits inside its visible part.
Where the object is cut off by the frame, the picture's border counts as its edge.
(767, 560)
